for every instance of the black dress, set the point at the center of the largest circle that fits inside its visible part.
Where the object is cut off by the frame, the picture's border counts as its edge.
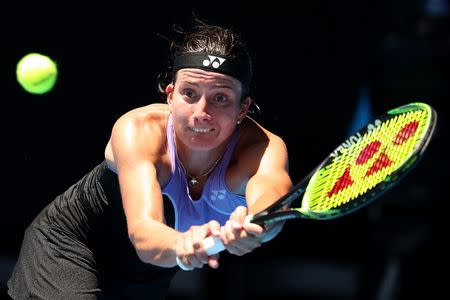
(78, 248)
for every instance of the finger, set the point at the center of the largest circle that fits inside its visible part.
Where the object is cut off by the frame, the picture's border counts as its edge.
(186, 258)
(246, 245)
(195, 262)
(239, 214)
(190, 256)
(239, 241)
(214, 228)
(183, 265)
(231, 231)
(199, 233)
(180, 256)
(188, 243)
(234, 239)
(240, 248)
(253, 229)
(213, 261)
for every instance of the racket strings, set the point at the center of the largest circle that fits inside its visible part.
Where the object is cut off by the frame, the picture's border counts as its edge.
(367, 162)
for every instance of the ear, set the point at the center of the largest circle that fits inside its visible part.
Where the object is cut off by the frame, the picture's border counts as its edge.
(169, 92)
(244, 108)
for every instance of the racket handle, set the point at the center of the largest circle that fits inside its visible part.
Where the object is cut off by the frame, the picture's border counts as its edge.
(213, 245)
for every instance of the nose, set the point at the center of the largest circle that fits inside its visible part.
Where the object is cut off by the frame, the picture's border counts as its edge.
(201, 110)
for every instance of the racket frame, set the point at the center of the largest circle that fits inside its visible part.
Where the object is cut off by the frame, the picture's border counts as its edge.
(277, 212)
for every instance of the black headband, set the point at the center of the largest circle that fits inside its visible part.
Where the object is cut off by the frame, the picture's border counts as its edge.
(237, 68)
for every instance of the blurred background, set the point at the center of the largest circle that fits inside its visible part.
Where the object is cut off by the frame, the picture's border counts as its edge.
(321, 70)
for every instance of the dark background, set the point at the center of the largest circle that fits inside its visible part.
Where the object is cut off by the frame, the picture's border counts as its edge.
(311, 62)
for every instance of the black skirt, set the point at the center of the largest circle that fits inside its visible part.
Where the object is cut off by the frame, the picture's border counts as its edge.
(78, 248)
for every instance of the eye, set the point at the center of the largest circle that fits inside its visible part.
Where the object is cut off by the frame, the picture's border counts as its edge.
(221, 98)
(188, 93)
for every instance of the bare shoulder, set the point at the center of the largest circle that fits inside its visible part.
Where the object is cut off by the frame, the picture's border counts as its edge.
(254, 135)
(152, 112)
(257, 143)
(140, 131)
(146, 119)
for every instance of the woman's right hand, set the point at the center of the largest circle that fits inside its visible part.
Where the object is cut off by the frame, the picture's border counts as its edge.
(189, 249)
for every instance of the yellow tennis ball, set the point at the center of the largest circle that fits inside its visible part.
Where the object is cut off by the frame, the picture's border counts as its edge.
(36, 73)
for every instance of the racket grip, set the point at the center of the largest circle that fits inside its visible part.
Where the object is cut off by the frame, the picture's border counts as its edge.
(213, 245)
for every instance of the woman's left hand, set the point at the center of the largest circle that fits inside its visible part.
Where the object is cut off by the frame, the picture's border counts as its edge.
(240, 237)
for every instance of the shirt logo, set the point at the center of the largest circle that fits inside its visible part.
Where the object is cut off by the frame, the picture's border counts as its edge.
(214, 61)
(217, 195)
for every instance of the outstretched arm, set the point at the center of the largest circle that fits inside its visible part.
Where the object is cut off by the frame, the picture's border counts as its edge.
(136, 146)
(269, 182)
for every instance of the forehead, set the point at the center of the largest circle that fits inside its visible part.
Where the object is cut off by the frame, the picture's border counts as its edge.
(207, 77)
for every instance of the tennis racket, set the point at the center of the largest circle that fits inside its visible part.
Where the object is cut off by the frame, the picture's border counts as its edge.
(362, 168)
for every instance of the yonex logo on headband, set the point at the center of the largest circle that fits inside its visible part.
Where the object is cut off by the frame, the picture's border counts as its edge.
(239, 68)
(214, 61)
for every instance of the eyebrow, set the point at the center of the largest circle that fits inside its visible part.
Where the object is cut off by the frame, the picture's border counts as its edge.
(219, 85)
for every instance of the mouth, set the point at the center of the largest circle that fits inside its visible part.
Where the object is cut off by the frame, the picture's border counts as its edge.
(201, 130)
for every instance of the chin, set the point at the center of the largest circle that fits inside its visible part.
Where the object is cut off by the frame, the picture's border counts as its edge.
(202, 145)
(198, 143)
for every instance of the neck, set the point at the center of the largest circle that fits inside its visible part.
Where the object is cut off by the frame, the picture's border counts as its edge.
(196, 164)
(194, 179)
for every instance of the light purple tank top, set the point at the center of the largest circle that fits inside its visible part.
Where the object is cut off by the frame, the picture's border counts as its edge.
(217, 202)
